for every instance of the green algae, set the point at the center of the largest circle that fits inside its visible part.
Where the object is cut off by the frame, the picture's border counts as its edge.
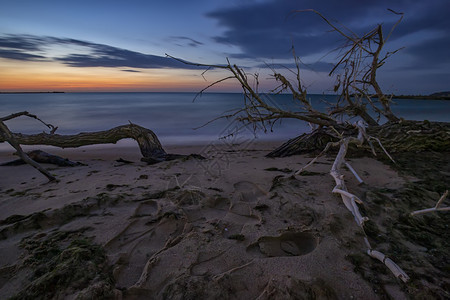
(65, 263)
(418, 244)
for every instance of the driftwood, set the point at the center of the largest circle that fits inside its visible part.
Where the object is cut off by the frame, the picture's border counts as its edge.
(40, 156)
(433, 209)
(350, 200)
(9, 137)
(149, 144)
(147, 140)
(403, 136)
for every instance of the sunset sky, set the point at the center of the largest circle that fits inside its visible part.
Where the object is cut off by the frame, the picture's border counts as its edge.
(111, 45)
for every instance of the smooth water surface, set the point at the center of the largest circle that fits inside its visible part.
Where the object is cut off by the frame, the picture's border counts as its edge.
(173, 116)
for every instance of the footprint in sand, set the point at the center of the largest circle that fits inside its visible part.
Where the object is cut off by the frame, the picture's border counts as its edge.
(246, 195)
(287, 244)
(240, 212)
(248, 191)
(146, 208)
(150, 229)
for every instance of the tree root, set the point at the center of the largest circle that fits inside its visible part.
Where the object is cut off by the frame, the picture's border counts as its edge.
(403, 136)
(432, 209)
(350, 199)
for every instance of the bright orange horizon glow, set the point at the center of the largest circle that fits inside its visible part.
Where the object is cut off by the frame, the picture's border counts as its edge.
(52, 76)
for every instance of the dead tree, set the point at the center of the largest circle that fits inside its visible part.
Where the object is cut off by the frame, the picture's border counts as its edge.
(360, 95)
(257, 109)
(357, 82)
(149, 144)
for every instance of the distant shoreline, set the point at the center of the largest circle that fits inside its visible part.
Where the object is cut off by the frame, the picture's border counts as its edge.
(54, 92)
(420, 97)
(407, 97)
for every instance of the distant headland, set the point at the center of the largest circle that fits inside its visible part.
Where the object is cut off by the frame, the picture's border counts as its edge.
(434, 96)
(53, 92)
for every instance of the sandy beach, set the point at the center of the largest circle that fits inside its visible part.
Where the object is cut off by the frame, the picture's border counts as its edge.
(236, 225)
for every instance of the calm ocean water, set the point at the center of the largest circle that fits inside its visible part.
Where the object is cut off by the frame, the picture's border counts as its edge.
(172, 116)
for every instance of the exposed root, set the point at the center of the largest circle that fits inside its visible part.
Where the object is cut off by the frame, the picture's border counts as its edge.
(432, 209)
(220, 276)
(350, 199)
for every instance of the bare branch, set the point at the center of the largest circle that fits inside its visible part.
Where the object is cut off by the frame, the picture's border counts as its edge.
(27, 114)
(435, 208)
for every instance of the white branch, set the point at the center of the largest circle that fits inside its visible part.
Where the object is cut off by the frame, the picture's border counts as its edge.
(381, 145)
(315, 158)
(395, 269)
(354, 172)
(436, 208)
(336, 190)
(350, 199)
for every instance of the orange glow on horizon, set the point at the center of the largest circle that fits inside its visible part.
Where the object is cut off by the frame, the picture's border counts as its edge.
(51, 76)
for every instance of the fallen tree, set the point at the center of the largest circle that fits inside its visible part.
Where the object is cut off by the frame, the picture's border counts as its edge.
(401, 136)
(149, 144)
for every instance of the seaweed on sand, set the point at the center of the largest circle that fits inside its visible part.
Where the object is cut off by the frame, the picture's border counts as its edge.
(65, 263)
(419, 243)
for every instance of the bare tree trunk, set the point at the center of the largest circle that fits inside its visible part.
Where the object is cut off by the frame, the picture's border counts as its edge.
(147, 140)
(8, 136)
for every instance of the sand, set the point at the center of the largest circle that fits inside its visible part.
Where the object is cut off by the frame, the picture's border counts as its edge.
(236, 225)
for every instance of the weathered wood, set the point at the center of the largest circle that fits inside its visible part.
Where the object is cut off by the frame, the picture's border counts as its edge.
(40, 156)
(9, 137)
(433, 209)
(147, 140)
(149, 144)
(404, 136)
(350, 199)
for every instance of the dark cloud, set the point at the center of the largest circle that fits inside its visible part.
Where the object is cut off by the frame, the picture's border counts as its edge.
(19, 55)
(34, 48)
(182, 41)
(131, 71)
(107, 56)
(21, 42)
(431, 52)
(269, 29)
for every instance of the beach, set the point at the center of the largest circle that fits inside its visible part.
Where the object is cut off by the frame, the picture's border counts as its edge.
(233, 225)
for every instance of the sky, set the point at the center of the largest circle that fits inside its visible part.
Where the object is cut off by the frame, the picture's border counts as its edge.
(121, 46)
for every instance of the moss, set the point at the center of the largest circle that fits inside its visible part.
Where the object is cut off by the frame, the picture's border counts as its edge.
(309, 173)
(357, 260)
(64, 215)
(237, 237)
(373, 232)
(160, 194)
(64, 263)
(261, 207)
(276, 182)
(12, 219)
(419, 244)
(18, 194)
(273, 169)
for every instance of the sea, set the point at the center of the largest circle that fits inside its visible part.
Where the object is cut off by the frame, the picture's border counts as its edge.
(177, 118)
